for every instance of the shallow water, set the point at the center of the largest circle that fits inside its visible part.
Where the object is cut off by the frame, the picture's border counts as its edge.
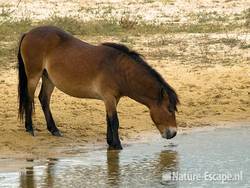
(196, 159)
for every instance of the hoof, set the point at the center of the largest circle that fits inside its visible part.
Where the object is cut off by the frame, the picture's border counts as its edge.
(57, 133)
(30, 132)
(115, 147)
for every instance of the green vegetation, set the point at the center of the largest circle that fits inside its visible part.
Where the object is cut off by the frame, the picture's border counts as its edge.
(9, 30)
(163, 1)
(232, 42)
(5, 10)
(247, 17)
(205, 17)
(77, 27)
(244, 46)
(204, 23)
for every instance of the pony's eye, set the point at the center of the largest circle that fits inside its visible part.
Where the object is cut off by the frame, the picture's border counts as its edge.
(170, 109)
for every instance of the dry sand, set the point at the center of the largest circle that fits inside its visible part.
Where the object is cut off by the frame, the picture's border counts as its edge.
(149, 11)
(210, 91)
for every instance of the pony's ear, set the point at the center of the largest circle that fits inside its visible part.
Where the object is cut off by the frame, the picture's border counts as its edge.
(172, 104)
(172, 109)
(162, 94)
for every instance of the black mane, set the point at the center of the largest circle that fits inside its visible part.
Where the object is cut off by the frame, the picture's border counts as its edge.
(173, 97)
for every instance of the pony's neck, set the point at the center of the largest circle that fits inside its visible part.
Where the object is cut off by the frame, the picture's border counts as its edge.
(141, 86)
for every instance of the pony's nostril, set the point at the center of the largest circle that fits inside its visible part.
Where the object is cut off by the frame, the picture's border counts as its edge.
(174, 134)
(170, 133)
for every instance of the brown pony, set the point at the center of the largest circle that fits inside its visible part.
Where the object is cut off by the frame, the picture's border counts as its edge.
(105, 72)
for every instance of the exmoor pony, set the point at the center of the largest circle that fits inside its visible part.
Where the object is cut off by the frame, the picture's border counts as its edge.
(106, 72)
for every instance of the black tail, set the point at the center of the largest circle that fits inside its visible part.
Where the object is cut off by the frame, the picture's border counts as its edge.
(23, 95)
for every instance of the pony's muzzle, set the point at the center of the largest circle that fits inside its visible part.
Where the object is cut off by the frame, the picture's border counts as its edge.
(169, 133)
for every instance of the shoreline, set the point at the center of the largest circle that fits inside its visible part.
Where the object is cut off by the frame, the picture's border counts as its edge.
(19, 163)
(75, 149)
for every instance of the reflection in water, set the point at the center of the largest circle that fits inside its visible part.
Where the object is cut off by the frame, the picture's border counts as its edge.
(27, 178)
(50, 172)
(168, 163)
(113, 167)
(143, 173)
(145, 164)
(122, 170)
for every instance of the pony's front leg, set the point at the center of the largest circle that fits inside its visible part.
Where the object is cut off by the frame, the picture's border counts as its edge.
(109, 135)
(113, 139)
(112, 134)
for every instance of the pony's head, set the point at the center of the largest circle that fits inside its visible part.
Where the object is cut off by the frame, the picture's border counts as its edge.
(163, 113)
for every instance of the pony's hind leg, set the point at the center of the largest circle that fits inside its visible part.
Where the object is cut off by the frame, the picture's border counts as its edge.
(44, 97)
(29, 105)
(28, 117)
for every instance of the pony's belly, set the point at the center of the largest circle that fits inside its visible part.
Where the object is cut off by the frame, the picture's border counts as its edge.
(79, 92)
(74, 77)
(76, 88)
